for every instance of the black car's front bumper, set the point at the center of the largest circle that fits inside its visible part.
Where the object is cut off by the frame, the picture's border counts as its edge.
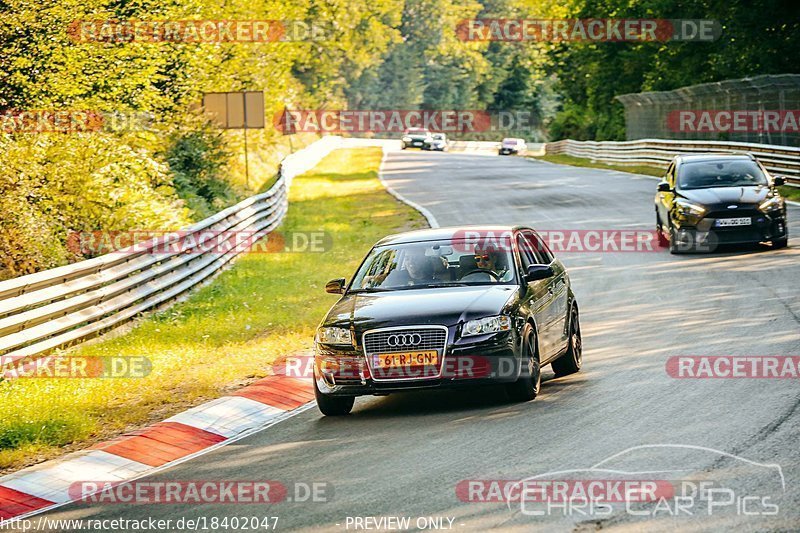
(706, 234)
(488, 359)
(413, 143)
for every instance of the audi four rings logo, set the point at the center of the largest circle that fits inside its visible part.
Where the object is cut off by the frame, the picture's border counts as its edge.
(404, 339)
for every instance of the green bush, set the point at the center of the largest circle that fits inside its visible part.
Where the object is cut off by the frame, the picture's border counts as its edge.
(52, 185)
(197, 160)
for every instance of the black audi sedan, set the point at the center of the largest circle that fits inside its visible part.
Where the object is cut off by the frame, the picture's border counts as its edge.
(448, 307)
(707, 200)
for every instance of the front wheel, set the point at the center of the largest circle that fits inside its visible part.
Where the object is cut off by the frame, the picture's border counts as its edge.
(675, 247)
(526, 388)
(663, 242)
(333, 405)
(780, 243)
(572, 360)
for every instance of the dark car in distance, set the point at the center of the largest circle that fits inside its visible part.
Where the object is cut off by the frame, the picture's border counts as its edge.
(714, 199)
(415, 138)
(448, 307)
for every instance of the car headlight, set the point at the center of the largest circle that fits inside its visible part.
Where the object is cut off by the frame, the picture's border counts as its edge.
(771, 204)
(339, 336)
(406, 139)
(481, 326)
(688, 208)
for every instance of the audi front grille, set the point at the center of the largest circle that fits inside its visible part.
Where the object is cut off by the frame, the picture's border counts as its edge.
(405, 339)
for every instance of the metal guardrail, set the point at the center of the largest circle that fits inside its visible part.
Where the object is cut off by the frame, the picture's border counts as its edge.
(783, 160)
(65, 305)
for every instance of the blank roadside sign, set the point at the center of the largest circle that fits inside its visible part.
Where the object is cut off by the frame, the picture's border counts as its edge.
(254, 109)
(216, 108)
(235, 110)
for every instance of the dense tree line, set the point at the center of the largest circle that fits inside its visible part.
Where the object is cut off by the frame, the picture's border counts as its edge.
(757, 37)
(572, 85)
(377, 54)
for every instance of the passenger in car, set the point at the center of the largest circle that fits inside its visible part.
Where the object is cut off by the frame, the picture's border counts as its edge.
(419, 270)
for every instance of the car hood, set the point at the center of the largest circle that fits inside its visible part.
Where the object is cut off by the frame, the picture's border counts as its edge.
(442, 306)
(726, 195)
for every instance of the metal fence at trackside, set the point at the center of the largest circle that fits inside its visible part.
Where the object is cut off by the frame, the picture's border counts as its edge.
(779, 160)
(65, 305)
(713, 109)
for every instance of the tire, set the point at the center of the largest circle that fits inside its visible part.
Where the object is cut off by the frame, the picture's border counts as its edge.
(333, 405)
(572, 360)
(663, 242)
(780, 243)
(526, 388)
(674, 249)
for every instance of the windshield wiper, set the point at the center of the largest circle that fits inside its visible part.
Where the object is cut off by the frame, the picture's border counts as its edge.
(369, 289)
(440, 285)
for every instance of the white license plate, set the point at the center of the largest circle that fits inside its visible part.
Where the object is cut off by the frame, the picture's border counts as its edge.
(727, 222)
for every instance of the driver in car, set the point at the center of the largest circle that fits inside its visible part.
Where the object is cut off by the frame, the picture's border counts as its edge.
(418, 271)
(488, 259)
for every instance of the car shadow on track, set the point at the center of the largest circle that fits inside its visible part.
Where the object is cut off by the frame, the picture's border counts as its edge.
(421, 402)
(727, 250)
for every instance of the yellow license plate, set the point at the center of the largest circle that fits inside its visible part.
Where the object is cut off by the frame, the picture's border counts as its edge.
(405, 359)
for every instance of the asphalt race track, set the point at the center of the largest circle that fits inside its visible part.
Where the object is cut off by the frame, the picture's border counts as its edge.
(405, 455)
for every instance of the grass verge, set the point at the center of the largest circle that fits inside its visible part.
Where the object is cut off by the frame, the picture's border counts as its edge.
(787, 191)
(587, 163)
(226, 334)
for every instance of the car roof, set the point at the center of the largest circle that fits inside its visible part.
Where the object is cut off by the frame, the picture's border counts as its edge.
(438, 234)
(695, 158)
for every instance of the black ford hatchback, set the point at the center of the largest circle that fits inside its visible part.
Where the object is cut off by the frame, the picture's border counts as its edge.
(448, 307)
(707, 200)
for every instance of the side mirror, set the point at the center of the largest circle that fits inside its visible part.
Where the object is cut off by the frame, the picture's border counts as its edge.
(335, 286)
(537, 272)
(664, 187)
(778, 181)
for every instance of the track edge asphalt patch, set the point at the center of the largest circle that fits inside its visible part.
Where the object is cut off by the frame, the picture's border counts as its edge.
(432, 222)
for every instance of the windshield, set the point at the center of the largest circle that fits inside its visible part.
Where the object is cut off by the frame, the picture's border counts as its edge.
(730, 173)
(416, 132)
(438, 136)
(435, 264)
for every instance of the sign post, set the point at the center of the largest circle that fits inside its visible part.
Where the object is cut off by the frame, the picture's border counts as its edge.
(237, 110)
